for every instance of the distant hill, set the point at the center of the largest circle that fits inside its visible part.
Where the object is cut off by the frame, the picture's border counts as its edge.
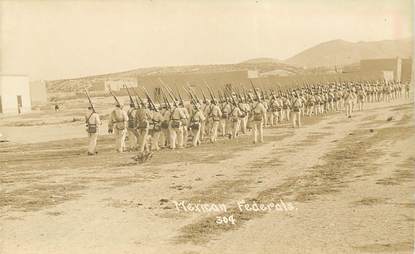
(77, 84)
(340, 52)
(261, 60)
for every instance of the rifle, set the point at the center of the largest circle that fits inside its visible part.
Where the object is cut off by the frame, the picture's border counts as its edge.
(193, 99)
(210, 91)
(150, 101)
(115, 97)
(180, 96)
(138, 98)
(204, 97)
(166, 100)
(129, 95)
(90, 101)
(169, 92)
(233, 100)
(256, 92)
(192, 90)
(172, 97)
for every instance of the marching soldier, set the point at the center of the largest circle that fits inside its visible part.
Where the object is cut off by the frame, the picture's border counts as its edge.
(223, 123)
(176, 127)
(347, 98)
(244, 107)
(143, 124)
(157, 120)
(214, 114)
(92, 122)
(185, 122)
(235, 118)
(207, 124)
(296, 107)
(132, 127)
(259, 115)
(196, 123)
(117, 124)
(165, 132)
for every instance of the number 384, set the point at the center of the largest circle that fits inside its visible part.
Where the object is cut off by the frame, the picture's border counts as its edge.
(225, 220)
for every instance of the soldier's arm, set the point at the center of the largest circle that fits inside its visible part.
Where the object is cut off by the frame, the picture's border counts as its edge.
(264, 114)
(219, 112)
(97, 120)
(202, 116)
(125, 116)
(182, 114)
(110, 122)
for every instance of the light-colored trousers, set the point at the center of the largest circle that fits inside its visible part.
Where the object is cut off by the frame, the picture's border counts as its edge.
(92, 144)
(196, 136)
(244, 121)
(155, 140)
(214, 131)
(176, 135)
(202, 129)
(348, 107)
(235, 127)
(270, 118)
(257, 129)
(132, 138)
(296, 117)
(165, 137)
(120, 139)
(142, 139)
(224, 126)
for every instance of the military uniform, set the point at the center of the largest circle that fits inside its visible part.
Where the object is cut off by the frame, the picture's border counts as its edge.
(259, 114)
(132, 127)
(92, 122)
(195, 124)
(117, 124)
(144, 116)
(176, 128)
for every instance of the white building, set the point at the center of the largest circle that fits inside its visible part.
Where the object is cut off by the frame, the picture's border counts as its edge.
(14, 94)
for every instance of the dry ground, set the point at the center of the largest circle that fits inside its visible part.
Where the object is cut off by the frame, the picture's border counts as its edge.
(351, 182)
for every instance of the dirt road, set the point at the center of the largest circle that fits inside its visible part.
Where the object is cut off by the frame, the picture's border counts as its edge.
(336, 185)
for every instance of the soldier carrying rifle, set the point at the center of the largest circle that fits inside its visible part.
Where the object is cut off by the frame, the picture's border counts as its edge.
(117, 124)
(92, 122)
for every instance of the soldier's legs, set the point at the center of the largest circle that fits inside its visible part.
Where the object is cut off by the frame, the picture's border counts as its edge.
(180, 138)
(173, 137)
(254, 132)
(196, 136)
(271, 119)
(208, 128)
(235, 128)
(348, 108)
(261, 131)
(185, 135)
(132, 138)
(296, 119)
(142, 140)
(92, 143)
(162, 138)
(214, 133)
(155, 140)
(202, 130)
(120, 139)
(222, 126)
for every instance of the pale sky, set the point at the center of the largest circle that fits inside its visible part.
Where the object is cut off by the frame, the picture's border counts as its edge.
(66, 39)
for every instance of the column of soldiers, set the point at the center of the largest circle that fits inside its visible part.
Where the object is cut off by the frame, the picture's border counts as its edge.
(175, 124)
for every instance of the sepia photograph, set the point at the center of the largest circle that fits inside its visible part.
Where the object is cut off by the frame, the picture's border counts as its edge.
(207, 127)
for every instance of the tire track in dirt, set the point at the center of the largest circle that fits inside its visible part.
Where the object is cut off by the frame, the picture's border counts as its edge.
(353, 152)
